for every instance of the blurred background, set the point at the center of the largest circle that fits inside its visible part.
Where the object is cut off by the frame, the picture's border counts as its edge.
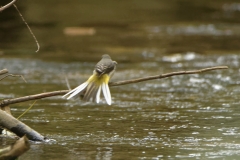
(84, 30)
(182, 117)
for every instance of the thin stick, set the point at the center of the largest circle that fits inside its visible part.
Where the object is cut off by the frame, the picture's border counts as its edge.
(13, 75)
(67, 82)
(62, 92)
(38, 46)
(7, 5)
(32, 97)
(27, 110)
(4, 71)
(165, 76)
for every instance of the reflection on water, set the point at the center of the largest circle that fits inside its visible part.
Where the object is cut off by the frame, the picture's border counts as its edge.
(203, 30)
(182, 117)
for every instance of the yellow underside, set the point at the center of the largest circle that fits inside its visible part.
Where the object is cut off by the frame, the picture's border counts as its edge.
(99, 80)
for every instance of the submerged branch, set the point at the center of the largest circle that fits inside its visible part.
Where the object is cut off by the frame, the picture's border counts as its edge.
(20, 129)
(7, 5)
(62, 92)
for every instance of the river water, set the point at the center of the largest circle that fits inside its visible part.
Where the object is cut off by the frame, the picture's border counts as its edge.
(182, 117)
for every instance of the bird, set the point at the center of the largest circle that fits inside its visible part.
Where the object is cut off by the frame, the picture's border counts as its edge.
(97, 82)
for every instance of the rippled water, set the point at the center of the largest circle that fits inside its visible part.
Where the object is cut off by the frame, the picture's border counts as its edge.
(190, 116)
(182, 117)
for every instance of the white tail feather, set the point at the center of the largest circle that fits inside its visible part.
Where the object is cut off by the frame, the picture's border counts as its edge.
(106, 93)
(76, 90)
(98, 94)
(70, 92)
(109, 94)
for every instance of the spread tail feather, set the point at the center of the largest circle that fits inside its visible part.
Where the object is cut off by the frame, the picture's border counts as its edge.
(94, 91)
(93, 87)
(106, 93)
(98, 94)
(91, 92)
(76, 90)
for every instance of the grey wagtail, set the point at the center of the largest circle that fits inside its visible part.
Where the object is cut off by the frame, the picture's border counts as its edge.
(98, 81)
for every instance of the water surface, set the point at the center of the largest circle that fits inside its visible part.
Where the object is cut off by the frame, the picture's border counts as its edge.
(182, 117)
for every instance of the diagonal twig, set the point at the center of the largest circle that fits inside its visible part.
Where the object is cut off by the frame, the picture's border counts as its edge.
(38, 46)
(7, 5)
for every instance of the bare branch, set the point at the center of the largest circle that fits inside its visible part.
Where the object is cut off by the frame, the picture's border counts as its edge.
(7, 5)
(32, 97)
(165, 76)
(38, 46)
(62, 92)
(13, 75)
(4, 71)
